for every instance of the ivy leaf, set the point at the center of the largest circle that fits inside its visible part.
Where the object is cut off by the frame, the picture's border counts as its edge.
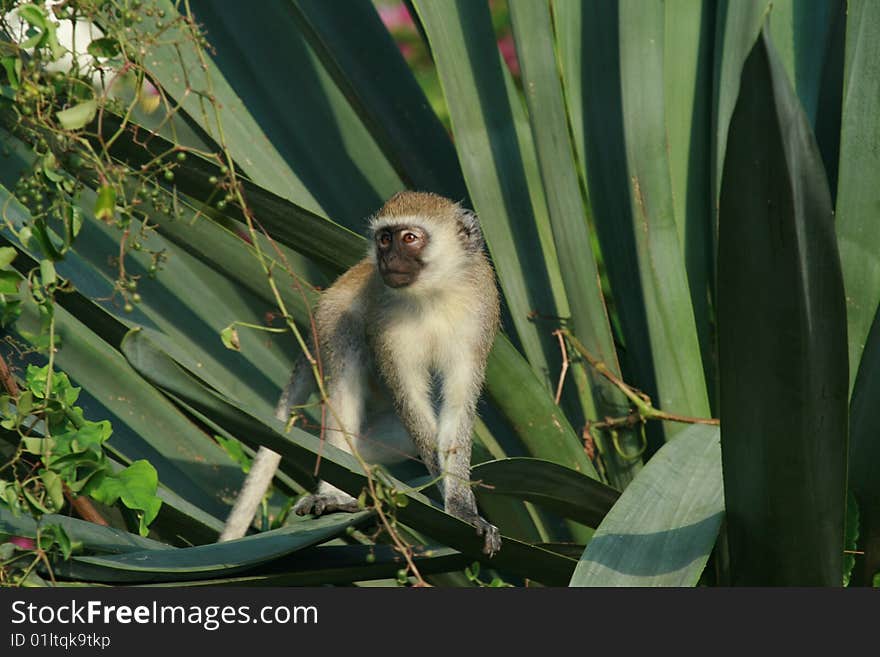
(104, 47)
(78, 116)
(135, 486)
(62, 539)
(35, 380)
(37, 446)
(47, 273)
(13, 70)
(7, 255)
(34, 15)
(34, 501)
(25, 403)
(105, 202)
(10, 311)
(233, 447)
(229, 336)
(54, 488)
(9, 282)
(73, 221)
(50, 168)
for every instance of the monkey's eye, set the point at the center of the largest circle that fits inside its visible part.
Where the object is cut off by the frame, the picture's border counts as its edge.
(385, 239)
(409, 238)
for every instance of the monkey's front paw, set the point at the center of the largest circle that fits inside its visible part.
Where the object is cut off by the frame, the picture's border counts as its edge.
(322, 503)
(491, 536)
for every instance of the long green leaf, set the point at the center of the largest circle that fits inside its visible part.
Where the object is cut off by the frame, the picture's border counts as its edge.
(782, 337)
(864, 457)
(624, 151)
(339, 564)
(737, 25)
(687, 76)
(858, 195)
(366, 64)
(800, 32)
(858, 236)
(664, 526)
(549, 485)
(323, 241)
(672, 331)
(93, 537)
(539, 423)
(176, 66)
(216, 559)
(589, 318)
(299, 107)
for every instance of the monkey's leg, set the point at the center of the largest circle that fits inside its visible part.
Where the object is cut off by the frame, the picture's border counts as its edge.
(345, 417)
(454, 449)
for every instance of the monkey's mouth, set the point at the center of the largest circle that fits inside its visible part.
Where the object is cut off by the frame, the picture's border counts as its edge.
(398, 279)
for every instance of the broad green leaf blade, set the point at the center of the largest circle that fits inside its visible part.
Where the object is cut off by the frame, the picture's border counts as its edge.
(298, 106)
(368, 67)
(340, 564)
(738, 24)
(216, 559)
(549, 485)
(800, 34)
(864, 457)
(179, 70)
(323, 241)
(525, 402)
(782, 338)
(494, 159)
(624, 150)
(670, 317)
(533, 31)
(93, 537)
(687, 76)
(858, 194)
(830, 102)
(664, 526)
(299, 451)
(858, 236)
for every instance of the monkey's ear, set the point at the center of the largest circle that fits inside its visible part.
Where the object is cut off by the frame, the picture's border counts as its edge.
(469, 230)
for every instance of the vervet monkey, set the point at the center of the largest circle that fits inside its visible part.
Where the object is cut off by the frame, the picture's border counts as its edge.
(404, 336)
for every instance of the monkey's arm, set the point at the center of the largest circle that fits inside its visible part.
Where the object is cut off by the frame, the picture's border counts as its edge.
(461, 387)
(345, 412)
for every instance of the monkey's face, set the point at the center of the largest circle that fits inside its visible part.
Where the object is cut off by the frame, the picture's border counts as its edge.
(399, 250)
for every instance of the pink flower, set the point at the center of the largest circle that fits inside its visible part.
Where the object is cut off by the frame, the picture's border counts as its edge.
(508, 51)
(395, 16)
(22, 543)
(406, 50)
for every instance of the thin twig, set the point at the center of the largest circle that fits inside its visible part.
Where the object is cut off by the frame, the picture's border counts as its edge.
(564, 369)
(640, 400)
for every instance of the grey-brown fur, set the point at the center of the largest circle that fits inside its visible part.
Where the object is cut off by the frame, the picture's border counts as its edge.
(382, 346)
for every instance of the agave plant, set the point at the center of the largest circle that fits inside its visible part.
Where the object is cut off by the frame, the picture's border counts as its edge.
(677, 198)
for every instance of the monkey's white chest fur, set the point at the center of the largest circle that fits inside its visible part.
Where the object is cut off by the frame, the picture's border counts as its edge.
(432, 333)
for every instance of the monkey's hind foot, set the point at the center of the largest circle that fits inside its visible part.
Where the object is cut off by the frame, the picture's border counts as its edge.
(321, 503)
(491, 536)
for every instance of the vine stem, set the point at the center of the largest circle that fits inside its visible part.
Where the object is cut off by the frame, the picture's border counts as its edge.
(640, 400)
